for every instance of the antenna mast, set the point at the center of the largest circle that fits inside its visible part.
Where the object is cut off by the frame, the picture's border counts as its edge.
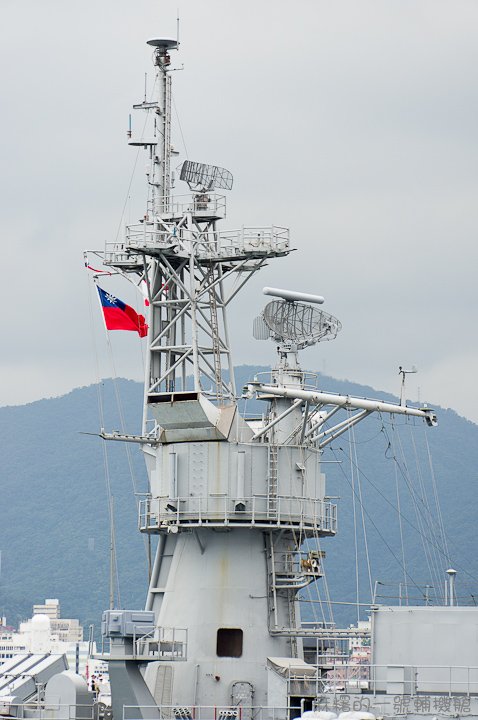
(192, 270)
(161, 166)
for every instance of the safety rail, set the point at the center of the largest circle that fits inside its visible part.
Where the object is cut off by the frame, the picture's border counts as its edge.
(157, 514)
(402, 679)
(167, 644)
(388, 593)
(304, 379)
(208, 712)
(297, 569)
(205, 204)
(254, 239)
(160, 643)
(46, 711)
(228, 244)
(319, 624)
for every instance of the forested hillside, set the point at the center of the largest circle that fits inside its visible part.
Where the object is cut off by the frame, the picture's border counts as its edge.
(55, 530)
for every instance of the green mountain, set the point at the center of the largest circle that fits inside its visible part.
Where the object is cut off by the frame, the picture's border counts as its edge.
(55, 528)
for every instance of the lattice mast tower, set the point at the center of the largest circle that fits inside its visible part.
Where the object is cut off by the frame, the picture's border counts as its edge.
(184, 261)
(231, 499)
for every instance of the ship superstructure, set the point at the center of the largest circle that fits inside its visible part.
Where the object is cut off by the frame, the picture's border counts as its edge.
(237, 503)
(232, 499)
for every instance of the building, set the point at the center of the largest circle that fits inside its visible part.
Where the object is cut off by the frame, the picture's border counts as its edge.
(51, 608)
(46, 632)
(66, 630)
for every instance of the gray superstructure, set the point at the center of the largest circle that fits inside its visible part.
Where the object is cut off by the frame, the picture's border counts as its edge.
(237, 503)
(232, 498)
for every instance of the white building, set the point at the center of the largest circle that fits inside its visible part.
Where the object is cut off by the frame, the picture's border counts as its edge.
(67, 630)
(51, 607)
(46, 632)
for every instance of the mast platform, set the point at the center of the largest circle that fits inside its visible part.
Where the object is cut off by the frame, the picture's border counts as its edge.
(202, 207)
(247, 243)
(291, 513)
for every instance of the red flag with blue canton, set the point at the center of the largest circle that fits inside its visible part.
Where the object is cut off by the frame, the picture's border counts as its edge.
(119, 316)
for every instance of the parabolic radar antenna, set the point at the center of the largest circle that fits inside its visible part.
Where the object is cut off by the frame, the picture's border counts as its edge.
(292, 322)
(205, 177)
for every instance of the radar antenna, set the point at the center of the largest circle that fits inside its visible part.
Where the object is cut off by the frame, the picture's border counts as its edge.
(205, 177)
(292, 323)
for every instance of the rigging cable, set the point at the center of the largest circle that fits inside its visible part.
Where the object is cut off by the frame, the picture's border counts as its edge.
(327, 599)
(119, 406)
(424, 520)
(404, 517)
(352, 480)
(146, 541)
(179, 126)
(432, 521)
(113, 559)
(133, 172)
(299, 540)
(127, 448)
(437, 499)
(364, 527)
(368, 514)
(400, 526)
(416, 501)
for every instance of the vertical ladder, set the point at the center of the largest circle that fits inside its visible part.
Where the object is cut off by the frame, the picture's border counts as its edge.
(292, 623)
(271, 582)
(272, 482)
(288, 621)
(166, 159)
(216, 346)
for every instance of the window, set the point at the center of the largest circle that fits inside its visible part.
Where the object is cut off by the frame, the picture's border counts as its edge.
(229, 642)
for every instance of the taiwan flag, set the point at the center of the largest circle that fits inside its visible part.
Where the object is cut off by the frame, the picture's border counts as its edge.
(119, 316)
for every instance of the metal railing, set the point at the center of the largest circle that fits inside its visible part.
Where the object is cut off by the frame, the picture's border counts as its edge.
(419, 594)
(212, 244)
(207, 712)
(117, 253)
(403, 679)
(290, 511)
(160, 643)
(164, 644)
(297, 569)
(250, 239)
(46, 711)
(205, 204)
(306, 380)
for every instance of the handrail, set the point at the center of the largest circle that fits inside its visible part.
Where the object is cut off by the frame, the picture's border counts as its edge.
(206, 204)
(289, 510)
(415, 678)
(226, 243)
(47, 711)
(208, 712)
(308, 380)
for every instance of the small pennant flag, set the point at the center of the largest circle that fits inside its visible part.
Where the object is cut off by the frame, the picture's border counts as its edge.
(119, 316)
(143, 288)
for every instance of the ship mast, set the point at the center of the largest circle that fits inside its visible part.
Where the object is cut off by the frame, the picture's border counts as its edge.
(192, 270)
(159, 170)
(231, 498)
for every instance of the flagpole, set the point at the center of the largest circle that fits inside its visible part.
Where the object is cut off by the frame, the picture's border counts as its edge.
(101, 309)
(147, 373)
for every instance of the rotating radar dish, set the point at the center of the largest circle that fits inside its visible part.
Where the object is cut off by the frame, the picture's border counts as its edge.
(295, 323)
(205, 177)
(165, 43)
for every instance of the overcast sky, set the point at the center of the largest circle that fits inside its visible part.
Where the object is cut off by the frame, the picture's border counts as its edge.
(353, 122)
